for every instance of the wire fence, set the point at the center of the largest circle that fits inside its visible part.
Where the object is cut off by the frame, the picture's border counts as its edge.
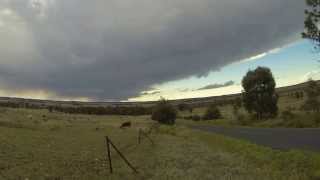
(110, 144)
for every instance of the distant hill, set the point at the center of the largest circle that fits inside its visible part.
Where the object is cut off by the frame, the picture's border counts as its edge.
(282, 91)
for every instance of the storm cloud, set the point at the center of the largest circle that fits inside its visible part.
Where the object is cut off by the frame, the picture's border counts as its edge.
(115, 49)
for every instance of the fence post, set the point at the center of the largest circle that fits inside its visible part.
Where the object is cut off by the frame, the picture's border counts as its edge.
(109, 154)
(121, 155)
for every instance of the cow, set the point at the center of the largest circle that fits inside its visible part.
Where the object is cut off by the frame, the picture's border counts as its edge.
(125, 124)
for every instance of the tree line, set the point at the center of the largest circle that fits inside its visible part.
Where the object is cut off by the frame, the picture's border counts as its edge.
(96, 110)
(109, 110)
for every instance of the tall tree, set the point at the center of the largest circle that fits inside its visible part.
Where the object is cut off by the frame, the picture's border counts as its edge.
(311, 22)
(259, 94)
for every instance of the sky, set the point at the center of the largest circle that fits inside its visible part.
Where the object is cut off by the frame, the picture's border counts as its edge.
(120, 50)
(290, 65)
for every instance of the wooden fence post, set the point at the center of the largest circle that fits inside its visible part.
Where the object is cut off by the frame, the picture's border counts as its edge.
(121, 155)
(109, 154)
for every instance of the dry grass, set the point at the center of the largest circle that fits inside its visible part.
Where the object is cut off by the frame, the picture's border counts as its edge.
(72, 147)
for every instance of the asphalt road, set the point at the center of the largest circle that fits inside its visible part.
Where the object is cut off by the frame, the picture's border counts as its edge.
(277, 138)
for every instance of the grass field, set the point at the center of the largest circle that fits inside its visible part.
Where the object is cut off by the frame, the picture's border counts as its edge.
(35, 144)
(300, 119)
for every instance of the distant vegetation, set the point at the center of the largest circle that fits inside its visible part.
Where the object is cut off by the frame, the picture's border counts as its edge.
(185, 107)
(261, 106)
(313, 91)
(212, 113)
(96, 110)
(118, 110)
(258, 105)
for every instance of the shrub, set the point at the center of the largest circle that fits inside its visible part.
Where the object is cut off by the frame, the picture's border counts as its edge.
(244, 120)
(185, 107)
(182, 107)
(305, 121)
(240, 117)
(287, 115)
(196, 118)
(296, 123)
(193, 117)
(316, 118)
(313, 92)
(212, 113)
(311, 104)
(164, 113)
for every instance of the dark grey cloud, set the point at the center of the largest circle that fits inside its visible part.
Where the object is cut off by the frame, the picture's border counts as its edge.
(216, 86)
(111, 49)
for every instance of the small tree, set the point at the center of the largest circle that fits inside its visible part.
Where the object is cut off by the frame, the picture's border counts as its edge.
(259, 94)
(164, 113)
(212, 113)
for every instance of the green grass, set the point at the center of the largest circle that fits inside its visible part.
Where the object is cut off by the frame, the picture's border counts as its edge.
(73, 147)
(301, 119)
(266, 162)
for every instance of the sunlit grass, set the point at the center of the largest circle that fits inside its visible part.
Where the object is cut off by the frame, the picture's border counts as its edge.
(73, 147)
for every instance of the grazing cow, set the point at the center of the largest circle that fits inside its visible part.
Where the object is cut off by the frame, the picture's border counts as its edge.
(125, 124)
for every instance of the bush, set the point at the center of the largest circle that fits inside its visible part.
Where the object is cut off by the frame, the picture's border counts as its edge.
(287, 115)
(187, 117)
(192, 117)
(299, 123)
(196, 118)
(245, 120)
(311, 104)
(164, 113)
(316, 118)
(240, 117)
(302, 121)
(313, 92)
(212, 113)
(185, 107)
